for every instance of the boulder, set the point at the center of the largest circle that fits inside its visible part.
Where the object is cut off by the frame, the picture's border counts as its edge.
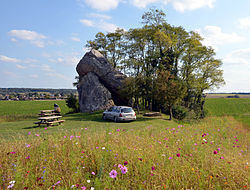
(99, 83)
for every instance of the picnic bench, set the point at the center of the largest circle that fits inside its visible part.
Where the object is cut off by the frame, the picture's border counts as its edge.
(48, 113)
(49, 118)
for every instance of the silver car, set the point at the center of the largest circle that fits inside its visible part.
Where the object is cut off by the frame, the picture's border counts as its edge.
(119, 113)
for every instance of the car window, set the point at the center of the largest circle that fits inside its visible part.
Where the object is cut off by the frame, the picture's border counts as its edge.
(114, 109)
(126, 110)
(110, 109)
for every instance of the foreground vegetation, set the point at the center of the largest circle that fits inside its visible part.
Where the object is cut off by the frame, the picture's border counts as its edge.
(157, 154)
(150, 153)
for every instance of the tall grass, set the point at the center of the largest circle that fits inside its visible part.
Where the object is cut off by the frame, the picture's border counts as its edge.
(158, 155)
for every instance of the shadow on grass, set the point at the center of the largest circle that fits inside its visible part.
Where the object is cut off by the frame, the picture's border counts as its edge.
(97, 117)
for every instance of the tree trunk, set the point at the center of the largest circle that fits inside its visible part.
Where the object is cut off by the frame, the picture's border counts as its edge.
(170, 113)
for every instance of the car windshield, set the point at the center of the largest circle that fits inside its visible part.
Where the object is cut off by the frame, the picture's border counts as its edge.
(126, 110)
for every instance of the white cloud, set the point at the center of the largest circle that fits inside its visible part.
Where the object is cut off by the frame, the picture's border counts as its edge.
(179, 5)
(238, 57)
(244, 23)
(87, 22)
(20, 66)
(32, 36)
(68, 60)
(46, 68)
(214, 36)
(108, 27)
(145, 3)
(100, 16)
(103, 5)
(183, 5)
(101, 24)
(57, 75)
(6, 59)
(76, 39)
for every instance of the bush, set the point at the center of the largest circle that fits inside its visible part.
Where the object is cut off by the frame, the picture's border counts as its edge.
(72, 102)
(179, 112)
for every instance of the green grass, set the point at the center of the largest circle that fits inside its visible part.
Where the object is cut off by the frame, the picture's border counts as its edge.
(19, 110)
(60, 157)
(239, 108)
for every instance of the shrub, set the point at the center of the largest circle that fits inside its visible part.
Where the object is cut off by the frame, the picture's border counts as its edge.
(72, 102)
(179, 112)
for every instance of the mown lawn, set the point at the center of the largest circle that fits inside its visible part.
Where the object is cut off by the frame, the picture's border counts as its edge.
(239, 108)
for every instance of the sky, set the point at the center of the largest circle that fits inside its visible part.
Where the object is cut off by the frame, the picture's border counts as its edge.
(42, 41)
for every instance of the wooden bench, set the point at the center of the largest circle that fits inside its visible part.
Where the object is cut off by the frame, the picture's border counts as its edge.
(49, 123)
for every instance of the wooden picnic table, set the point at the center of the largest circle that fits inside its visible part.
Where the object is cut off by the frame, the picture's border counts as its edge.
(49, 120)
(48, 113)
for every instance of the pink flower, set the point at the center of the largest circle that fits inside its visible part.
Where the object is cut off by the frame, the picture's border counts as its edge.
(37, 135)
(83, 187)
(222, 157)
(140, 159)
(120, 166)
(178, 155)
(125, 163)
(215, 152)
(113, 174)
(118, 130)
(93, 173)
(153, 168)
(45, 128)
(27, 145)
(218, 149)
(170, 158)
(65, 137)
(124, 169)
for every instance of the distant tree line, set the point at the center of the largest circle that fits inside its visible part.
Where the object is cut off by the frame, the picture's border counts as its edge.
(168, 68)
(34, 93)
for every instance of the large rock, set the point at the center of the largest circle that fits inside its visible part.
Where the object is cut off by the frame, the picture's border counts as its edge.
(99, 83)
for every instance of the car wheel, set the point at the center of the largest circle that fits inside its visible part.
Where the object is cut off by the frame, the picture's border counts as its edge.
(104, 117)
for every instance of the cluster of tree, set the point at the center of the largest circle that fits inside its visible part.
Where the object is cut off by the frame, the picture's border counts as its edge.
(166, 66)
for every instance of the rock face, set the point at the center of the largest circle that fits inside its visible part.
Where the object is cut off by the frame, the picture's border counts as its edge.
(99, 83)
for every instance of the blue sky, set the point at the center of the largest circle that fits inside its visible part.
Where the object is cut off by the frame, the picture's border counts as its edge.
(42, 41)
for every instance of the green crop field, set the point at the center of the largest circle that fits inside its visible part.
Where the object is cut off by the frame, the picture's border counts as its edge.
(239, 108)
(150, 153)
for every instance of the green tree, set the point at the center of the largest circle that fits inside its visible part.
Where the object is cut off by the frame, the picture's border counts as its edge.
(169, 91)
(72, 102)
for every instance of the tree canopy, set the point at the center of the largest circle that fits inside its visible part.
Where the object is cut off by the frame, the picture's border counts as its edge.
(166, 65)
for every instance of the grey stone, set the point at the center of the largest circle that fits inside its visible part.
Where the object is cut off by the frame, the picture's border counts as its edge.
(99, 83)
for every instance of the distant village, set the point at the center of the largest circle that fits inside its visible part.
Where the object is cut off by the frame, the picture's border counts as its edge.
(22, 94)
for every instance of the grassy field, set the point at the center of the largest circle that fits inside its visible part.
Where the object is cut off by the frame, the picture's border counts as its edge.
(19, 110)
(239, 108)
(150, 153)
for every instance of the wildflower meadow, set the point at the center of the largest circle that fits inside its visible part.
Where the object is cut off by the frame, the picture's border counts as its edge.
(145, 154)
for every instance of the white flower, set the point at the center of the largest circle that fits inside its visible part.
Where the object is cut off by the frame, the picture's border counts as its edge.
(88, 181)
(103, 148)
(72, 186)
(92, 188)
(12, 182)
